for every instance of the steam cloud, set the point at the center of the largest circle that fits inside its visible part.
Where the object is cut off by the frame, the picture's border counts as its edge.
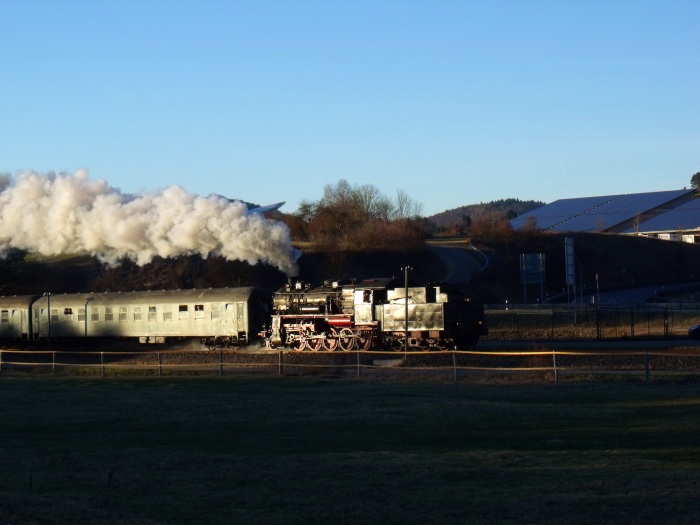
(53, 214)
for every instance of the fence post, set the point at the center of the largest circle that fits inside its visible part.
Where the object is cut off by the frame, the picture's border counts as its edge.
(0, 361)
(358, 363)
(160, 364)
(632, 321)
(598, 327)
(221, 362)
(666, 322)
(53, 363)
(454, 363)
(102, 362)
(279, 364)
(553, 323)
(554, 366)
(646, 364)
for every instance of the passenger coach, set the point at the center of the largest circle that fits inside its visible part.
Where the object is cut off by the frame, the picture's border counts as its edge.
(219, 316)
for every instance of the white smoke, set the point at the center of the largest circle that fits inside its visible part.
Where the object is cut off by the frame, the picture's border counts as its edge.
(54, 214)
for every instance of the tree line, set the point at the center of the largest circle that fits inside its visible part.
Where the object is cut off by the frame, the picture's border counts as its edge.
(361, 217)
(358, 217)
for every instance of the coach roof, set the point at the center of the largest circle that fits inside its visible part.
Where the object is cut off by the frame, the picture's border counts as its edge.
(219, 295)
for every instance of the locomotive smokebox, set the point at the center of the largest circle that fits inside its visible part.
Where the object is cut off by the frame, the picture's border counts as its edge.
(291, 281)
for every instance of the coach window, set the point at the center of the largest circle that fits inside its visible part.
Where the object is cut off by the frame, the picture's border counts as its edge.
(167, 312)
(81, 315)
(95, 315)
(240, 311)
(216, 311)
(67, 314)
(109, 313)
(199, 311)
(123, 313)
(138, 315)
(183, 309)
(152, 313)
(54, 315)
(5, 316)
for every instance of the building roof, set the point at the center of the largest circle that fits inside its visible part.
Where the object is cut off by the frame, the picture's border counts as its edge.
(685, 217)
(626, 213)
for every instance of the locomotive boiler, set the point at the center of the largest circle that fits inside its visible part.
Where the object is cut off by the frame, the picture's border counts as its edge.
(373, 313)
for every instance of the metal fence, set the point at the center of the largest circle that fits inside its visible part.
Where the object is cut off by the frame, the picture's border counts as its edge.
(590, 322)
(531, 365)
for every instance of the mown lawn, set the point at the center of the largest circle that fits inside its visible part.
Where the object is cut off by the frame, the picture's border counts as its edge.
(302, 450)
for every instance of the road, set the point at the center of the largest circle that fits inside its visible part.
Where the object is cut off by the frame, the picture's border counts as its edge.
(462, 264)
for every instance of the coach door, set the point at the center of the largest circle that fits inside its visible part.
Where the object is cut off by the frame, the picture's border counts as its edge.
(218, 319)
(236, 319)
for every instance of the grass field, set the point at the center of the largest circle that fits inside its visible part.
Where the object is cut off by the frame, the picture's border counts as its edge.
(302, 450)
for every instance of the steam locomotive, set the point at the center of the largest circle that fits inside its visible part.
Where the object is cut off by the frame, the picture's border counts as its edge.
(337, 315)
(380, 313)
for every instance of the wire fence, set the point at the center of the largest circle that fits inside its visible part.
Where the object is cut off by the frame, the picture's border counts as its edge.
(459, 365)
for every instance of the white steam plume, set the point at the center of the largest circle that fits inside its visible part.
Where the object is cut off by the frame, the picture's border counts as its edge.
(53, 214)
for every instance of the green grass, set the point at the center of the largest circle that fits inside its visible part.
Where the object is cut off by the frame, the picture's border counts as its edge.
(299, 450)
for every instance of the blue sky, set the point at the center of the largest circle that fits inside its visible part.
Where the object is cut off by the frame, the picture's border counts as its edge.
(454, 102)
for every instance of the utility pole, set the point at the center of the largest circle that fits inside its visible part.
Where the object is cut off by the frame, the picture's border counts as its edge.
(406, 269)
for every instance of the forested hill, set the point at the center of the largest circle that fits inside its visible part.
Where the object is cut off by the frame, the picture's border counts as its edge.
(503, 207)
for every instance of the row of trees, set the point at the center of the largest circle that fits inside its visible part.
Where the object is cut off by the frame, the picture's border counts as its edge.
(358, 217)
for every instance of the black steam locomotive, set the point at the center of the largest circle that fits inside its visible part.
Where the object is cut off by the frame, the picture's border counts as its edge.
(383, 313)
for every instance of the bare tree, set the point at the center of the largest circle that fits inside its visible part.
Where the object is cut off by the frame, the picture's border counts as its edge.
(360, 216)
(405, 207)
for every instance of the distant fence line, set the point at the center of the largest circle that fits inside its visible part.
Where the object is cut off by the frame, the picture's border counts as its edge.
(456, 365)
(589, 322)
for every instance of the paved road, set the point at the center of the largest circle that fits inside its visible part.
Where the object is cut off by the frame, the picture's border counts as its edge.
(462, 264)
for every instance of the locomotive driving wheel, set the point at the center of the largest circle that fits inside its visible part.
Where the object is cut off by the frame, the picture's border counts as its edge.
(330, 341)
(346, 340)
(314, 343)
(364, 342)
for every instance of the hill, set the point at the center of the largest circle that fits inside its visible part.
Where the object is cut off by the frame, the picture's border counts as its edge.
(503, 207)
